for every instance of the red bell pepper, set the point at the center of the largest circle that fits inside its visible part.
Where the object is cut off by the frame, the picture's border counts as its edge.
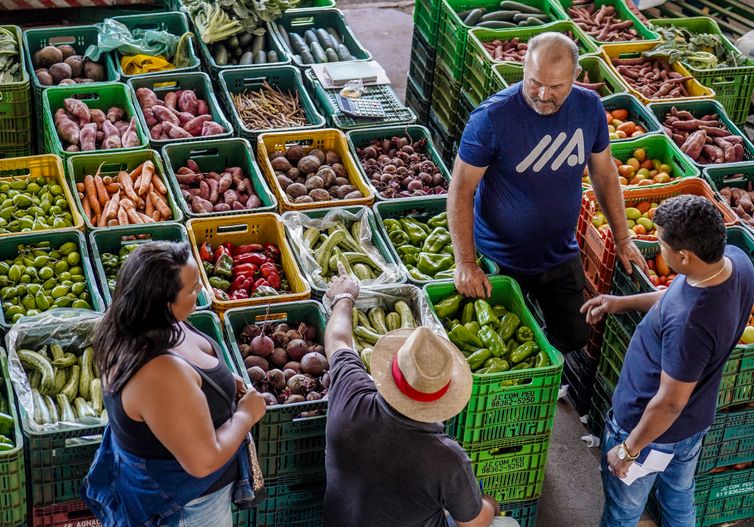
(254, 258)
(260, 282)
(221, 250)
(239, 294)
(241, 282)
(270, 272)
(205, 252)
(248, 248)
(220, 294)
(248, 269)
(272, 251)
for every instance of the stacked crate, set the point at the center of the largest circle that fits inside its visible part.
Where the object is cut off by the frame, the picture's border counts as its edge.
(506, 426)
(421, 73)
(15, 108)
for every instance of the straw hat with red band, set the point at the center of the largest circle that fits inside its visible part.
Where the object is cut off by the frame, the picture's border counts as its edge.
(421, 375)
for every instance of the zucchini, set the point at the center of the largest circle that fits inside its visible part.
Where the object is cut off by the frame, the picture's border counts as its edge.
(310, 36)
(86, 372)
(284, 34)
(57, 352)
(362, 271)
(325, 39)
(343, 52)
(220, 54)
(59, 382)
(272, 56)
(35, 379)
(71, 388)
(260, 57)
(496, 24)
(393, 321)
(52, 408)
(41, 412)
(473, 17)
(233, 43)
(299, 44)
(331, 55)
(246, 59)
(518, 6)
(377, 318)
(366, 335)
(98, 403)
(66, 361)
(37, 361)
(83, 408)
(407, 317)
(523, 17)
(318, 53)
(66, 410)
(499, 15)
(336, 38)
(363, 320)
(307, 57)
(258, 44)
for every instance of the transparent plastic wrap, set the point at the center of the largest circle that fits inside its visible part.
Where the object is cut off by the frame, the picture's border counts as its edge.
(50, 363)
(115, 35)
(297, 224)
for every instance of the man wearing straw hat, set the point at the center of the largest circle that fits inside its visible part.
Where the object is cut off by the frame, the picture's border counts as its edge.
(388, 461)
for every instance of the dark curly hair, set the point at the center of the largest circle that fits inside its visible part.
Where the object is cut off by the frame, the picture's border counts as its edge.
(694, 224)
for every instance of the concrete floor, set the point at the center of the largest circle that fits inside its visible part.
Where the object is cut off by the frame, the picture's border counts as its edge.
(572, 493)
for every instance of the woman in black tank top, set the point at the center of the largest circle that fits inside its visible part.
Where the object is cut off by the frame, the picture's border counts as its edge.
(167, 389)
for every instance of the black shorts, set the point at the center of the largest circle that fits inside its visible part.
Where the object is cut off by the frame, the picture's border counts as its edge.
(559, 291)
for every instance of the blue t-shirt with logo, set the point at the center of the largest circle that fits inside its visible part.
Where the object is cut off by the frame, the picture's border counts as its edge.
(528, 202)
(689, 335)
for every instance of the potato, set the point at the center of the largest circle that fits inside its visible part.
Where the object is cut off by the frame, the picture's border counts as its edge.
(67, 51)
(344, 190)
(293, 173)
(295, 153)
(309, 164)
(319, 194)
(319, 154)
(296, 190)
(313, 182)
(76, 63)
(281, 164)
(354, 195)
(327, 175)
(45, 79)
(340, 181)
(94, 71)
(60, 71)
(332, 157)
(339, 170)
(303, 199)
(66, 82)
(284, 181)
(47, 56)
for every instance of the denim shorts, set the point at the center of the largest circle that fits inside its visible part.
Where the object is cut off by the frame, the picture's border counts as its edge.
(212, 509)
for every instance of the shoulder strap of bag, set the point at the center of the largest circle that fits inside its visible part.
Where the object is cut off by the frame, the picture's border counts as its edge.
(206, 378)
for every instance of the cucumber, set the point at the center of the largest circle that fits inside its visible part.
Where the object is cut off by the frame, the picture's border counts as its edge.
(325, 39)
(284, 34)
(245, 38)
(496, 24)
(306, 57)
(473, 17)
(343, 53)
(523, 17)
(299, 44)
(66, 410)
(246, 58)
(518, 6)
(52, 408)
(533, 21)
(310, 36)
(260, 57)
(220, 54)
(258, 44)
(318, 53)
(272, 56)
(499, 15)
(336, 38)
(36, 361)
(331, 55)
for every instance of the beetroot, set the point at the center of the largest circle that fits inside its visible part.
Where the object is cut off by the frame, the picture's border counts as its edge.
(254, 360)
(279, 357)
(296, 349)
(262, 345)
(314, 364)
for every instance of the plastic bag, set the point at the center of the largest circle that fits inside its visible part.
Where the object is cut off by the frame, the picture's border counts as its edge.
(72, 329)
(114, 35)
(297, 223)
(745, 44)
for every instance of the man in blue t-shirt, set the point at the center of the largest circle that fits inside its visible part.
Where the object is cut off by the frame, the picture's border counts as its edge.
(516, 187)
(667, 392)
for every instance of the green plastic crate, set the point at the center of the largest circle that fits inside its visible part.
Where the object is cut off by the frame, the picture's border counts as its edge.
(80, 37)
(497, 411)
(497, 80)
(444, 140)
(396, 112)
(733, 86)
(175, 23)
(287, 444)
(738, 175)
(377, 241)
(101, 96)
(209, 323)
(700, 108)
(111, 240)
(466, 106)
(622, 11)
(362, 138)
(8, 250)
(12, 474)
(296, 500)
(512, 470)
(417, 101)
(299, 21)
(445, 98)
(730, 440)
(421, 209)
(524, 512)
(216, 156)
(427, 19)
(311, 4)
(422, 63)
(657, 147)
(15, 108)
(601, 404)
(110, 164)
(477, 73)
(284, 78)
(271, 44)
(170, 82)
(637, 112)
(452, 32)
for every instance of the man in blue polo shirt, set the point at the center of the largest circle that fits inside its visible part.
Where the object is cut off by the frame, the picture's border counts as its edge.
(666, 395)
(516, 187)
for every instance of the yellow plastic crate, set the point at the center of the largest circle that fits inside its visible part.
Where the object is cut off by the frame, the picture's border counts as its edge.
(326, 139)
(241, 229)
(48, 166)
(694, 88)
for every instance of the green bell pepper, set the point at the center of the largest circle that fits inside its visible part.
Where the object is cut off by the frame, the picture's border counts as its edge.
(408, 253)
(478, 358)
(521, 366)
(499, 310)
(447, 273)
(508, 325)
(437, 239)
(542, 360)
(392, 225)
(219, 283)
(484, 313)
(415, 233)
(524, 334)
(492, 341)
(448, 249)
(473, 327)
(462, 337)
(524, 351)
(431, 264)
(448, 307)
(468, 313)
(6, 444)
(417, 275)
(496, 365)
(439, 220)
(398, 237)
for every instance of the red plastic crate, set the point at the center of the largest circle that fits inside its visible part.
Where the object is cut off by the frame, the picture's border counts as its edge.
(71, 514)
(597, 250)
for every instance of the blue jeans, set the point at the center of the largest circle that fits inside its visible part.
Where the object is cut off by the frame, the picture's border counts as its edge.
(212, 509)
(675, 486)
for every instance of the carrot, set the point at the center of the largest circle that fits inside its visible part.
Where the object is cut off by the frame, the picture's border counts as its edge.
(156, 216)
(136, 172)
(146, 218)
(80, 187)
(112, 223)
(101, 191)
(91, 195)
(95, 220)
(159, 185)
(102, 221)
(81, 196)
(133, 216)
(149, 209)
(161, 206)
(122, 216)
(107, 180)
(128, 186)
(147, 175)
(112, 188)
(112, 211)
(87, 207)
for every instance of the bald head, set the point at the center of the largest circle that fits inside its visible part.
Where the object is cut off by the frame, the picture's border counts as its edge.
(552, 48)
(551, 66)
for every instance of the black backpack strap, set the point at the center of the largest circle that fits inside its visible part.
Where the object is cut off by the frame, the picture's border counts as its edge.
(206, 378)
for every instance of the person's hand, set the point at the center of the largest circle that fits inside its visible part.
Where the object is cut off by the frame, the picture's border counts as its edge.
(599, 306)
(252, 403)
(240, 386)
(616, 466)
(471, 281)
(628, 252)
(342, 283)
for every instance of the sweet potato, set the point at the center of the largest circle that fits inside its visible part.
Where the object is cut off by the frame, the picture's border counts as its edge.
(130, 137)
(200, 205)
(115, 114)
(156, 131)
(146, 97)
(174, 131)
(211, 128)
(194, 126)
(226, 180)
(164, 115)
(112, 136)
(88, 137)
(149, 117)
(67, 129)
(202, 107)
(170, 100)
(694, 143)
(187, 102)
(77, 109)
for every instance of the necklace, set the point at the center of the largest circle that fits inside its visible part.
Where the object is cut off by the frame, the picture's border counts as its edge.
(697, 284)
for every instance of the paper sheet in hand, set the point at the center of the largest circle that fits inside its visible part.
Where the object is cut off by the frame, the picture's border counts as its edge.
(656, 462)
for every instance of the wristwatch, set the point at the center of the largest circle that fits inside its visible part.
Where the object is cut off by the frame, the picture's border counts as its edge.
(624, 454)
(341, 296)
